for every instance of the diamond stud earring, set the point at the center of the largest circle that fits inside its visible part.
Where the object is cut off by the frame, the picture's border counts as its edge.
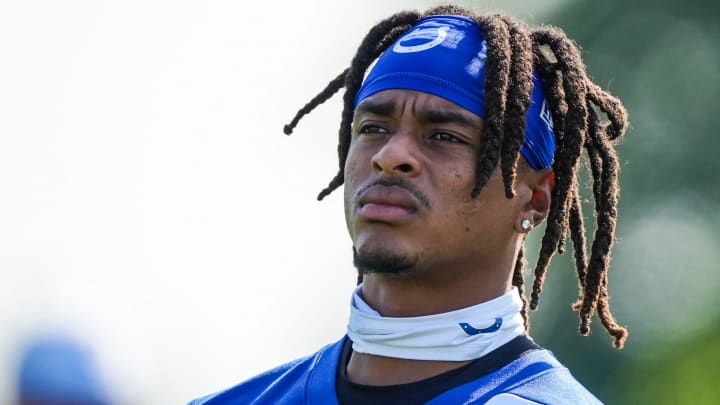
(526, 225)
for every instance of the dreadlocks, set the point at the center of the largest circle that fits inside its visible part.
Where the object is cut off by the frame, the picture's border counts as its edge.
(575, 102)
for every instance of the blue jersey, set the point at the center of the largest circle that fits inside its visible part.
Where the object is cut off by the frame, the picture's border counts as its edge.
(535, 377)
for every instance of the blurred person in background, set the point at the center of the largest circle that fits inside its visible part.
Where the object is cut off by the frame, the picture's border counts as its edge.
(464, 137)
(56, 369)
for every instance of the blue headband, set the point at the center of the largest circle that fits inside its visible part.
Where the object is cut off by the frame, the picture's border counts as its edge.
(445, 55)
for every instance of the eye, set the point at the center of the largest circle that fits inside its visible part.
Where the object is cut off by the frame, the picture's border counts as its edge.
(447, 137)
(372, 129)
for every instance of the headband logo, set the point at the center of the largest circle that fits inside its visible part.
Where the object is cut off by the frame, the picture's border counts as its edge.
(436, 37)
(545, 115)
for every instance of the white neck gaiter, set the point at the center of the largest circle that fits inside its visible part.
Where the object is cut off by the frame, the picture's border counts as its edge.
(465, 334)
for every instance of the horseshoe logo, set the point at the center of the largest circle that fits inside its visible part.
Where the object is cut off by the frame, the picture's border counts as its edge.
(436, 37)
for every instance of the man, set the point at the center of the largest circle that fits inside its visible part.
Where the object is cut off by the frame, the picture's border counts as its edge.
(463, 137)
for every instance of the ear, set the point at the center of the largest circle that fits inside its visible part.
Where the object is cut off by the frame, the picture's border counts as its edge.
(537, 207)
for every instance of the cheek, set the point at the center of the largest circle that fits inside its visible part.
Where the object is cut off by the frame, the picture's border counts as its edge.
(486, 215)
(458, 183)
(350, 173)
(353, 176)
(469, 217)
(459, 179)
(353, 165)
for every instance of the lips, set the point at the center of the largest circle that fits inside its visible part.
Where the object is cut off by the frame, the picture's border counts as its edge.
(387, 203)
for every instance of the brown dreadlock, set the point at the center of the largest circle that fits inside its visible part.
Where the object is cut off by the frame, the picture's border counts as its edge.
(514, 50)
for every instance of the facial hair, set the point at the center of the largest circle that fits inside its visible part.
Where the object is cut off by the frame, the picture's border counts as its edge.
(380, 262)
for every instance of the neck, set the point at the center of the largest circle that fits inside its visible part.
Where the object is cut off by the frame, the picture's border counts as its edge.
(421, 294)
(369, 369)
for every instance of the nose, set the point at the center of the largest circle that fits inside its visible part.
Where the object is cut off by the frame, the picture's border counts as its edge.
(397, 157)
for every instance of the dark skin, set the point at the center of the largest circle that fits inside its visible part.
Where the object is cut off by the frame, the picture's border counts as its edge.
(457, 251)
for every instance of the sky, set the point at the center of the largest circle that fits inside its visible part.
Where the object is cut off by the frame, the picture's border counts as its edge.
(151, 204)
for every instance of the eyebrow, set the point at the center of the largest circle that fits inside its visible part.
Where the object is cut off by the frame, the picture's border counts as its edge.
(383, 108)
(445, 116)
(436, 116)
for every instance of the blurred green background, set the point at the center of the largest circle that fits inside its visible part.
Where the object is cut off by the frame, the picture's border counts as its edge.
(662, 59)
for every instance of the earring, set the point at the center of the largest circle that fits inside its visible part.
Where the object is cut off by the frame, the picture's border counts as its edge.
(526, 225)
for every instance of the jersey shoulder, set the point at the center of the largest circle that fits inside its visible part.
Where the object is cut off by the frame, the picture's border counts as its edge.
(555, 385)
(537, 377)
(286, 384)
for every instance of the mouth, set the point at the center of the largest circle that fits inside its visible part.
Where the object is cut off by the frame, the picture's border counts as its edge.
(387, 204)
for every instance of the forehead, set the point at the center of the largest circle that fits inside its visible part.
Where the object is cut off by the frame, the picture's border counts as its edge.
(396, 101)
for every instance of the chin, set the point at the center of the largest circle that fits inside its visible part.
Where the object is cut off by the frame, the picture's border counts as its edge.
(383, 260)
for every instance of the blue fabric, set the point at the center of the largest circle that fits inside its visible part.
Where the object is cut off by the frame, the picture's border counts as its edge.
(445, 56)
(56, 368)
(537, 376)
